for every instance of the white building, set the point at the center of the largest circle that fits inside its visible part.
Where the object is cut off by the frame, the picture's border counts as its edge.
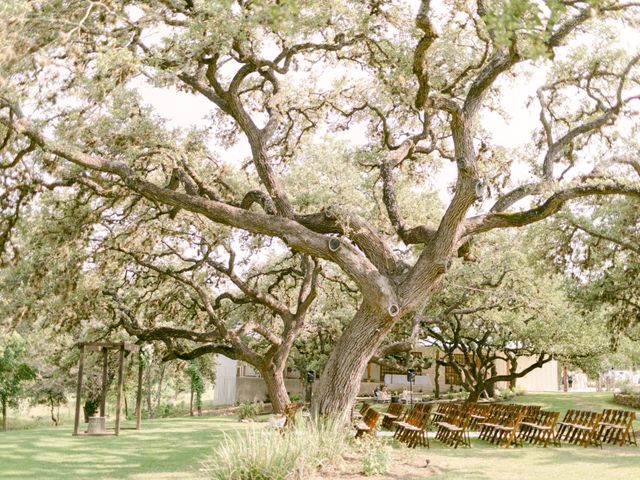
(238, 382)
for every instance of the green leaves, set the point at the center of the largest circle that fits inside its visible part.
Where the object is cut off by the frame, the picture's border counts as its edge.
(14, 370)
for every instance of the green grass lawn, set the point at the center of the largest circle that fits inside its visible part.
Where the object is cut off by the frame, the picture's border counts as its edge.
(173, 448)
(165, 448)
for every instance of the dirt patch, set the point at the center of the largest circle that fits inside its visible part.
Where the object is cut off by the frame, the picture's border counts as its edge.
(404, 464)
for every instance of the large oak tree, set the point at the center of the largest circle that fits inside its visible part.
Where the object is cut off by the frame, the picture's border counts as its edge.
(417, 88)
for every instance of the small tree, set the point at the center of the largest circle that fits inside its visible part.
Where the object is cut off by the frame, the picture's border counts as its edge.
(197, 386)
(13, 372)
(51, 393)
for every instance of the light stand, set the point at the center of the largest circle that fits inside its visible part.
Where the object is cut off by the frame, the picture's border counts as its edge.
(411, 377)
(311, 377)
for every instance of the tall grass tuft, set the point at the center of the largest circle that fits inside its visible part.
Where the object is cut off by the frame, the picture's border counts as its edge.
(263, 453)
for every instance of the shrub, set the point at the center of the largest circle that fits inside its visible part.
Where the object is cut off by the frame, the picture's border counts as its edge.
(267, 454)
(463, 395)
(166, 410)
(519, 391)
(629, 389)
(376, 456)
(506, 394)
(249, 410)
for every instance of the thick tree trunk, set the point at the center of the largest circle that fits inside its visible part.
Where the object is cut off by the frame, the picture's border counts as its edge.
(476, 391)
(276, 389)
(492, 385)
(340, 381)
(491, 390)
(4, 414)
(513, 368)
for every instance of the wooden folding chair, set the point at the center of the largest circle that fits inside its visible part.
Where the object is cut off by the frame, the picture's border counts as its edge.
(506, 431)
(453, 430)
(416, 432)
(479, 413)
(360, 414)
(494, 419)
(541, 430)
(564, 427)
(616, 427)
(394, 412)
(583, 429)
(368, 423)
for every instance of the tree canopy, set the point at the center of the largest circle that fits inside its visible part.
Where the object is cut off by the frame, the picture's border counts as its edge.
(359, 134)
(14, 371)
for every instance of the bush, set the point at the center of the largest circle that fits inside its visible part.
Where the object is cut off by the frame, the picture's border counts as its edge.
(506, 394)
(376, 457)
(519, 391)
(462, 395)
(166, 410)
(249, 410)
(628, 388)
(267, 454)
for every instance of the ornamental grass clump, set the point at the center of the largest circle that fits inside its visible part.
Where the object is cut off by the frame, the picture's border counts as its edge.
(263, 453)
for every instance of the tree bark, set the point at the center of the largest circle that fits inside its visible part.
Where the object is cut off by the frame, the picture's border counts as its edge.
(513, 367)
(53, 412)
(159, 394)
(491, 390)
(494, 373)
(476, 392)
(276, 389)
(4, 415)
(340, 381)
(149, 402)
(191, 401)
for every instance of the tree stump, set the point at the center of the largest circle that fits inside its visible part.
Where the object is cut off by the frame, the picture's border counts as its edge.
(97, 425)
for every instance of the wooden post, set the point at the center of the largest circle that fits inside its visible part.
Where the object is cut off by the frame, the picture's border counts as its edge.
(139, 393)
(120, 383)
(436, 390)
(76, 422)
(105, 366)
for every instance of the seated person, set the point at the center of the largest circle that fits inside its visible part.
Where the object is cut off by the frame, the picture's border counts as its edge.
(381, 394)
